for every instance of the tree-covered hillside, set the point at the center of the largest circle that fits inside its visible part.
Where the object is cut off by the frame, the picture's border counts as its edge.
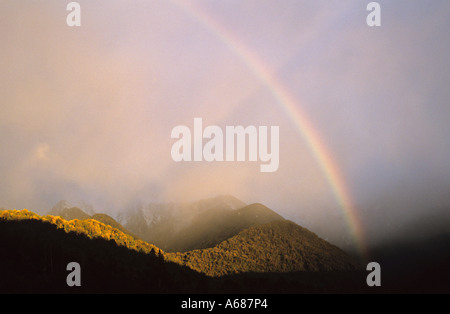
(276, 257)
(91, 228)
(216, 225)
(279, 246)
(71, 213)
(36, 250)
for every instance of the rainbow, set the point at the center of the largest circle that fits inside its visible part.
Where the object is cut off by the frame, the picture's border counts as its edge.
(323, 157)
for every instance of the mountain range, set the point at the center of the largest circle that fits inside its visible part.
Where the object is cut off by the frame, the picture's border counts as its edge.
(277, 246)
(216, 238)
(227, 231)
(181, 226)
(219, 245)
(64, 210)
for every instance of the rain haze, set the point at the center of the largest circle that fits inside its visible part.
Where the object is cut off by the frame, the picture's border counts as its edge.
(86, 113)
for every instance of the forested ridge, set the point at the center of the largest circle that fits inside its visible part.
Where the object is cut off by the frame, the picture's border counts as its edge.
(278, 246)
(211, 227)
(36, 249)
(90, 227)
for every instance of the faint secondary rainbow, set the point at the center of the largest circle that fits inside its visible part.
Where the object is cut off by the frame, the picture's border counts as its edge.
(323, 157)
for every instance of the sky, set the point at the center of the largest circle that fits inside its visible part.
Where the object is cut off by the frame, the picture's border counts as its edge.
(86, 113)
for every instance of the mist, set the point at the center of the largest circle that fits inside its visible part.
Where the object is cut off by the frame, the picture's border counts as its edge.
(86, 113)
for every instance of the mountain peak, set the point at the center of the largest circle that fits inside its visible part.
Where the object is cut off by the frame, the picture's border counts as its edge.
(63, 204)
(217, 224)
(65, 210)
(259, 212)
(277, 246)
(69, 213)
(221, 201)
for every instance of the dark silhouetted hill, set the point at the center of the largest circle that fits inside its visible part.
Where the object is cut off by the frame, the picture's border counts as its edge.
(35, 252)
(417, 258)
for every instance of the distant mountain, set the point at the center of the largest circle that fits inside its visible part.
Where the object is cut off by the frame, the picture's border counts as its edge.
(69, 213)
(278, 246)
(63, 204)
(108, 220)
(62, 210)
(162, 223)
(215, 225)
